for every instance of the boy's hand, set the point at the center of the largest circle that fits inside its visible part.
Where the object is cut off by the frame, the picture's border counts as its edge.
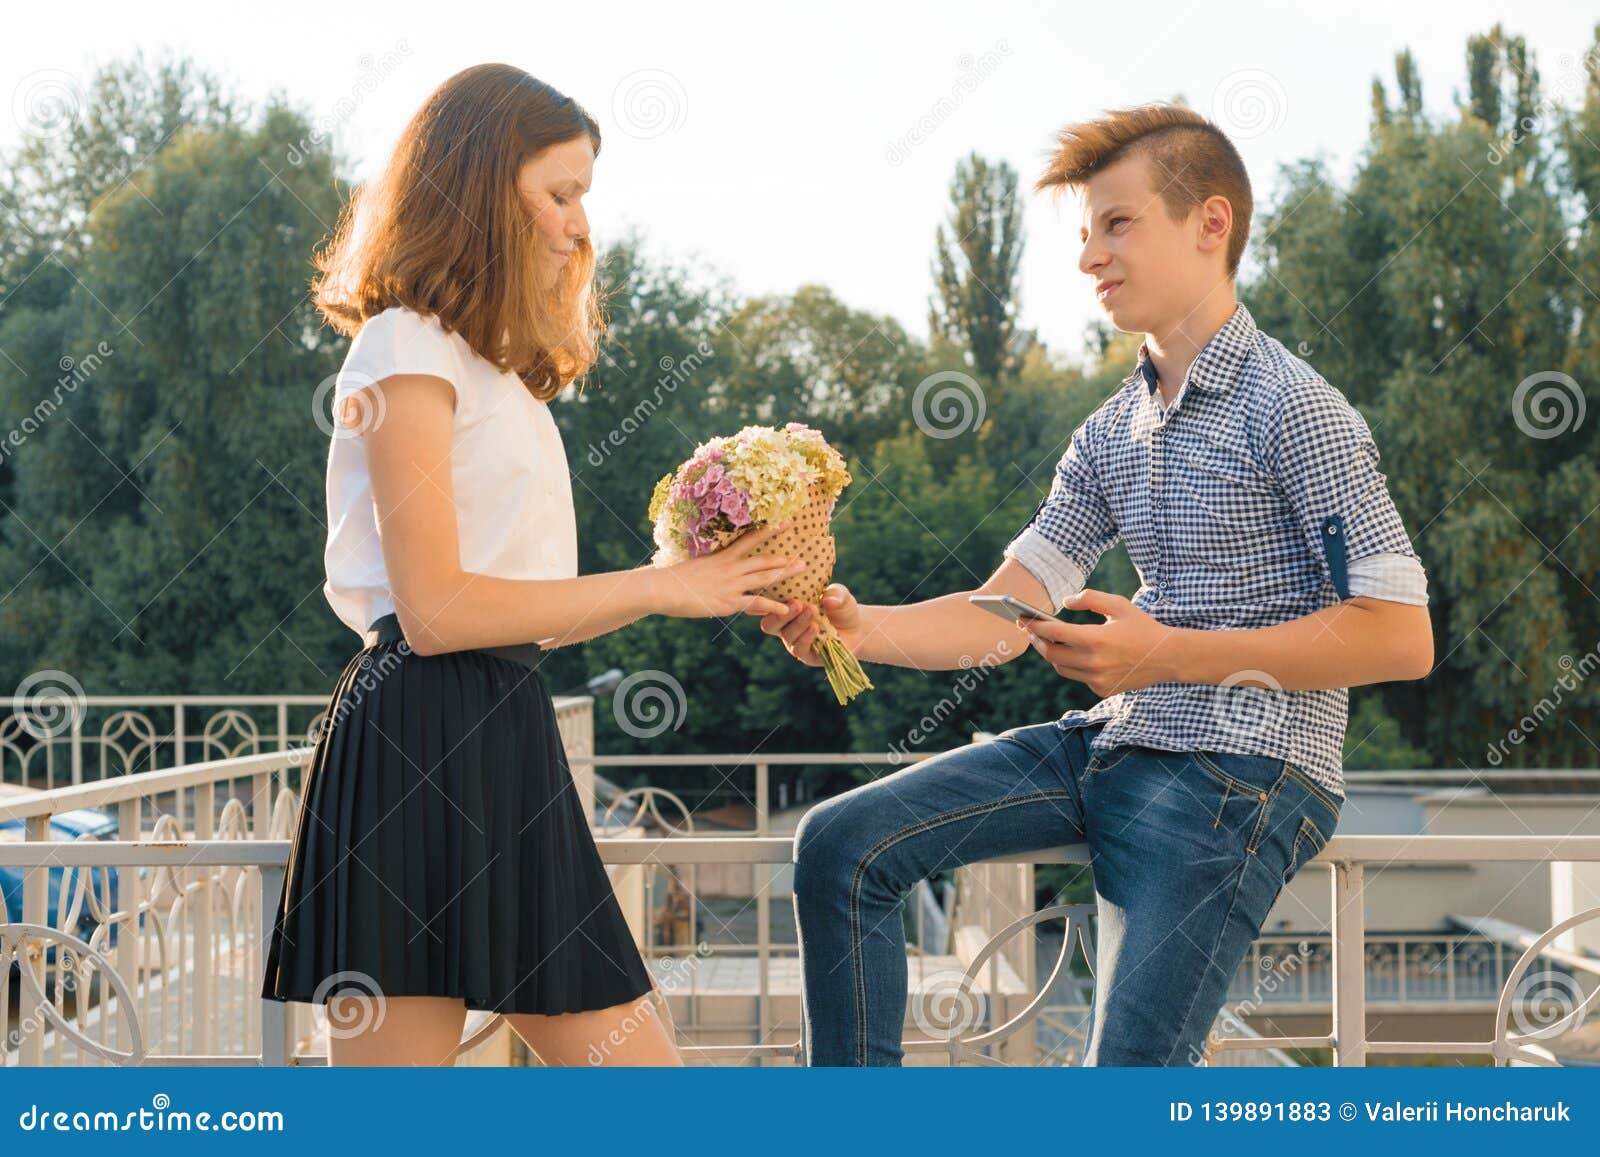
(1131, 649)
(798, 627)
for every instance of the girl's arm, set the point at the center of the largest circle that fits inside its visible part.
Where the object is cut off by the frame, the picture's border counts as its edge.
(444, 608)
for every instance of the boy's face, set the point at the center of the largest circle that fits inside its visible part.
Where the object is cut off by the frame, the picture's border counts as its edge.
(1149, 272)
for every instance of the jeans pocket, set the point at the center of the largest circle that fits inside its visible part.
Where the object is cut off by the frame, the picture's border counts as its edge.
(1245, 788)
(1252, 776)
(1105, 761)
(1318, 792)
(1309, 840)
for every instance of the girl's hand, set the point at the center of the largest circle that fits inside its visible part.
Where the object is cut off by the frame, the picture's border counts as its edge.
(722, 583)
(797, 625)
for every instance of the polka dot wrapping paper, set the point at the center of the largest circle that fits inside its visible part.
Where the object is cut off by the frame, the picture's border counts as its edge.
(759, 477)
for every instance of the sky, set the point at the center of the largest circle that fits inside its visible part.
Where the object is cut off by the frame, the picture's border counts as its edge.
(789, 144)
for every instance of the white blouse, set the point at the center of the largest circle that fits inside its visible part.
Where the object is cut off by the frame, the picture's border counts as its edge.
(508, 468)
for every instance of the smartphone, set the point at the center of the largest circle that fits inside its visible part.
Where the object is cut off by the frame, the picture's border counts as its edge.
(1009, 608)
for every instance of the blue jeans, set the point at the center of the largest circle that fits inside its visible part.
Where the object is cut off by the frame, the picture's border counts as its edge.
(1189, 851)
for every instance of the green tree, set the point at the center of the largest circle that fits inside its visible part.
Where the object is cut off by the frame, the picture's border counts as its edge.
(163, 526)
(977, 264)
(1443, 289)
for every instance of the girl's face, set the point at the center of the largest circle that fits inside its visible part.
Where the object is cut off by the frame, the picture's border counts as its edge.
(552, 184)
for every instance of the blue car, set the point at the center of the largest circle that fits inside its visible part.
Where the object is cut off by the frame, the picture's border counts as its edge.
(66, 827)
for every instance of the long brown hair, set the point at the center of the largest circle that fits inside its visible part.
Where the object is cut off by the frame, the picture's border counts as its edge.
(444, 231)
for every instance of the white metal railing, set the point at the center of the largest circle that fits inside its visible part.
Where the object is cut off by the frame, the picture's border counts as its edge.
(66, 739)
(1448, 971)
(71, 739)
(179, 984)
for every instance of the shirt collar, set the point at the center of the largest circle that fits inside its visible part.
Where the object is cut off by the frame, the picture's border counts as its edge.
(1217, 366)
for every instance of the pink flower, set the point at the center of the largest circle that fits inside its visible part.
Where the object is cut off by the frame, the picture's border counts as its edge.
(736, 506)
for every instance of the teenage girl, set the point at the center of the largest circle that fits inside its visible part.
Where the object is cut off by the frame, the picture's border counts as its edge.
(443, 860)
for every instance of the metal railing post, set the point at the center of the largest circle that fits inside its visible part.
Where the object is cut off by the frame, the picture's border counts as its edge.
(35, 910)
(1349, 967)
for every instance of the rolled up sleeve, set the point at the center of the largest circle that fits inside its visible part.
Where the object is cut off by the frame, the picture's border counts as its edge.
(1327, 461)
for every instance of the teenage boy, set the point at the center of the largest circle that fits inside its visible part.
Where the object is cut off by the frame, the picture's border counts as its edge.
(1275, 573)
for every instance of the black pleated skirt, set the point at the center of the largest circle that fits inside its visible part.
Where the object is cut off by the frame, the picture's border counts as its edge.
(442, 848)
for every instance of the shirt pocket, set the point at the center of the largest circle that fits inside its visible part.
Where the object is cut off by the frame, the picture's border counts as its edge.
(1225, 506)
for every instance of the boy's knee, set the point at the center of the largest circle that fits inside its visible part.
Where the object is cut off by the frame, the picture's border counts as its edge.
(824, 853)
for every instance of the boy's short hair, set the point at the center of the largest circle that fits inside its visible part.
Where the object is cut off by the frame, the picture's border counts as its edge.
(1193, 159)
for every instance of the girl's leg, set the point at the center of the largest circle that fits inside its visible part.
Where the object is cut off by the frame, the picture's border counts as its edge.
(395, 1030)
(636, 1033)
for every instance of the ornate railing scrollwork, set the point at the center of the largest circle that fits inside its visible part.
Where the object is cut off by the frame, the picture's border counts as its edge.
(1573, 1006)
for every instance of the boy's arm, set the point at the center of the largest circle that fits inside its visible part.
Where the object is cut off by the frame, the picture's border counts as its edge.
(1047, 562)
(948, 632)
(939, 634)
(1363, 640)
(1319, 447)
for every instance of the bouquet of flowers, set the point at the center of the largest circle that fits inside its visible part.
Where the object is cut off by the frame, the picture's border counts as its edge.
(764, 476)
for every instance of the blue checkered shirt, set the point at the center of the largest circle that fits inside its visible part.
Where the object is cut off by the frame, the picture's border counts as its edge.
(1253, 499)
